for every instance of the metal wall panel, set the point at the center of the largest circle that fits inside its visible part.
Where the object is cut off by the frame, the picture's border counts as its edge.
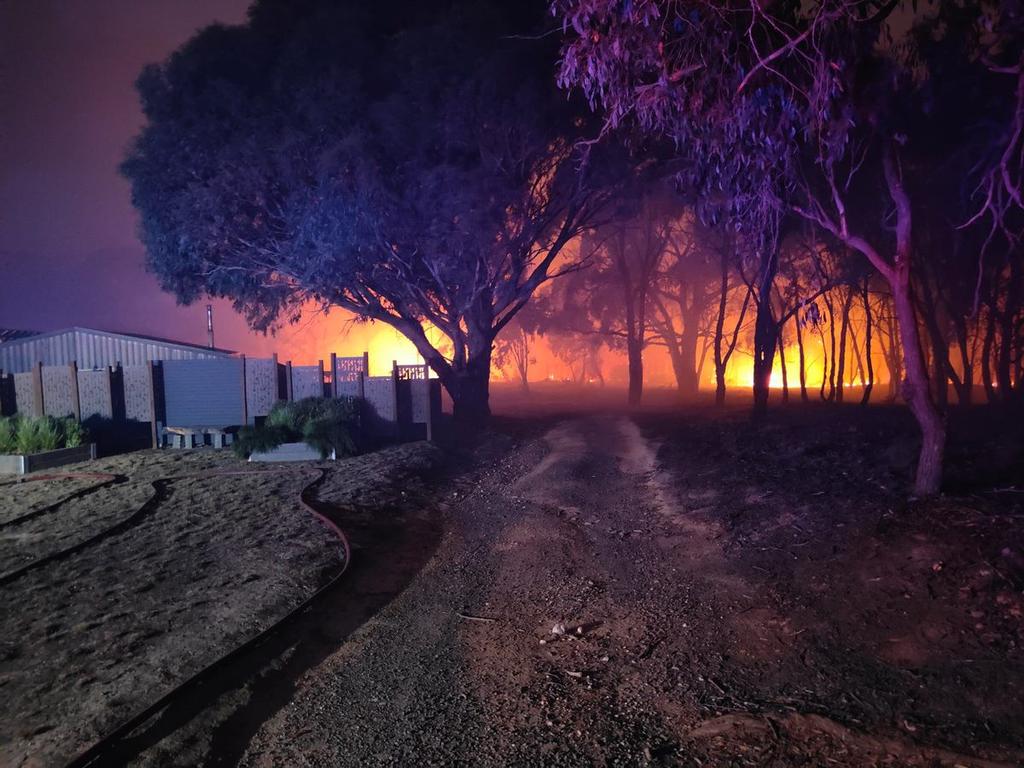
(95, 349)
(204, 393)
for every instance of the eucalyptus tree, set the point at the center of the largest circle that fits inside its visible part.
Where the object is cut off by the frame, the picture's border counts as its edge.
(412, 163)
(806, 109)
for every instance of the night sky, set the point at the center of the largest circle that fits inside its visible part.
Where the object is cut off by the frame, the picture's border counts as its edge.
(68, 244)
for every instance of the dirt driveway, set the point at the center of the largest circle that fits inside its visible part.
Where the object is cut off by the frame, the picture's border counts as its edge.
(582, 607)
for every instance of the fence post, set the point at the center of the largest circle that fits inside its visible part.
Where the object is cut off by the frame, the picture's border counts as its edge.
(245, 395)
(276, 378)
(320, 365)
(154, 432)
(430, 402)
(76, 396)
(38, 407)
(334, 374)
(3, 393)
(394, 400)
(115, 379)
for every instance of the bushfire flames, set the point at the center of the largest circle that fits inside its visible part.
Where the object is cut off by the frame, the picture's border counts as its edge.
(319, 334)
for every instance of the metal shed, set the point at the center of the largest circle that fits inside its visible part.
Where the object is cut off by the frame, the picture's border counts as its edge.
(97, 349)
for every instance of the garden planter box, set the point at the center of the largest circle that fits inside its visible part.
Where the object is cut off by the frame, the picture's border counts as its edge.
(290, 452)
(21, 464)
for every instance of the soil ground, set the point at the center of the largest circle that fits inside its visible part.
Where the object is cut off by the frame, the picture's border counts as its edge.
(194, 564)
(675, 586)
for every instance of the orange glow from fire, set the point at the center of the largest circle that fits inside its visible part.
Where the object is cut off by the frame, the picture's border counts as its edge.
(318, 334)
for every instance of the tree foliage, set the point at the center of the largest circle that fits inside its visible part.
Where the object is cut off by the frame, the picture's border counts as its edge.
(813, 109)
(411, 163)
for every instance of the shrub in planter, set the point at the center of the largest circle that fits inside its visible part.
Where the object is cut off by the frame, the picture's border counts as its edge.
(325, 424)
(23, 435)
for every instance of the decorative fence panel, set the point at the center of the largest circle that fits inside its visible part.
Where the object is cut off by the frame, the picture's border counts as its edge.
(307, 381)
(348, 374)
(59, 396)
(138, 392)
(379, 392)
(95, 395)
(351, 388)
(25, 394)
(349, 368)
(416, 400)
(261, 386)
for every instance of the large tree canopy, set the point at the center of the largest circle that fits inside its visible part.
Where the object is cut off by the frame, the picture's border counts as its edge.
(413, 163)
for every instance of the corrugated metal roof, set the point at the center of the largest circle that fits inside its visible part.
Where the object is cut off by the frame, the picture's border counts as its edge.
(92, 348)
(11, 334)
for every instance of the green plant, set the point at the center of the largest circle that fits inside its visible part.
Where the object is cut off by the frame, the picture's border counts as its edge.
(8, 431)
(21, 434)
(326, 424)
(326, 435)
(37, 435)
(250, 440)
(74, 433)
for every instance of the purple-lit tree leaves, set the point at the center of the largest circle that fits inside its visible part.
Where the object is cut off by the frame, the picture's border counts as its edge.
(799, 108)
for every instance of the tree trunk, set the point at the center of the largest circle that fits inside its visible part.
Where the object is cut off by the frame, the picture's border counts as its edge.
(634, 294)
(524, 382)
(686, 376)
(896, 356)
(939, 347)
(916, 390)
(824, 363)
(1003, 357)
(634, 354)
(678, 369)
(965, 387)
(843, 333)
(870, 383)
(858, 371)
(468, 377)
(782, 365)
(832, 349)
(1005, 349)
(701, 361)
(723, 299)
(469, 389)
(765, 336)
(803, 361)
(986, 357)
(722, 356)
